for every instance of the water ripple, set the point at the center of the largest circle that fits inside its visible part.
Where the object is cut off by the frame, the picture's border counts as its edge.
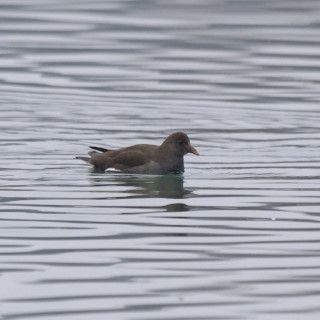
(236, 236)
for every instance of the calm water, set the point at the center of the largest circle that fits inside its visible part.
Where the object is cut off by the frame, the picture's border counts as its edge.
(237, 236)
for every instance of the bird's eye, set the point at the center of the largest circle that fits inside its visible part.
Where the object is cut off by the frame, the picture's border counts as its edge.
(180, 141)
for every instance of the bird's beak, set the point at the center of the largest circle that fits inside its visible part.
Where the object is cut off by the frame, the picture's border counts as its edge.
(191, 149)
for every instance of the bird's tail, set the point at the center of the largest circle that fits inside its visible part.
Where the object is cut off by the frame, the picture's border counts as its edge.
(85, 159)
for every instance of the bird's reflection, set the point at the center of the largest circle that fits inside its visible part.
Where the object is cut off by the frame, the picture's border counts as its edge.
(166, 186)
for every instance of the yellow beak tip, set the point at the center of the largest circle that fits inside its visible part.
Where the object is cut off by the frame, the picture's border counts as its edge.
(196, 153)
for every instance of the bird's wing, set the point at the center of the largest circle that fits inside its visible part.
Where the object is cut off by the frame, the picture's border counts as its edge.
(99, 149)
(123, 158)
(130, 158)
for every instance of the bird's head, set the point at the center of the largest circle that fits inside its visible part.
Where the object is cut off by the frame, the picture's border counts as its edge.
(179, 143)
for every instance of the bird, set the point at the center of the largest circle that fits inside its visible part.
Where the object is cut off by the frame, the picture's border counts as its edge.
(144, 158)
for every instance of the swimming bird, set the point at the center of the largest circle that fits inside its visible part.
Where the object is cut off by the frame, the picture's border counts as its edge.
(144, 158)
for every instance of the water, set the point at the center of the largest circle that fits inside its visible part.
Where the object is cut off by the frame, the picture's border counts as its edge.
(235, 237)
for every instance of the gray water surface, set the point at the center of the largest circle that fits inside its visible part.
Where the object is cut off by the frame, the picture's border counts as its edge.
(236, 236)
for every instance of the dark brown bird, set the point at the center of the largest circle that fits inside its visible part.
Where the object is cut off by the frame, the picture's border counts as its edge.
(144, 158)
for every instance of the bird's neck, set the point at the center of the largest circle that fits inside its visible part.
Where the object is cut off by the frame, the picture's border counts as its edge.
(173, 163)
